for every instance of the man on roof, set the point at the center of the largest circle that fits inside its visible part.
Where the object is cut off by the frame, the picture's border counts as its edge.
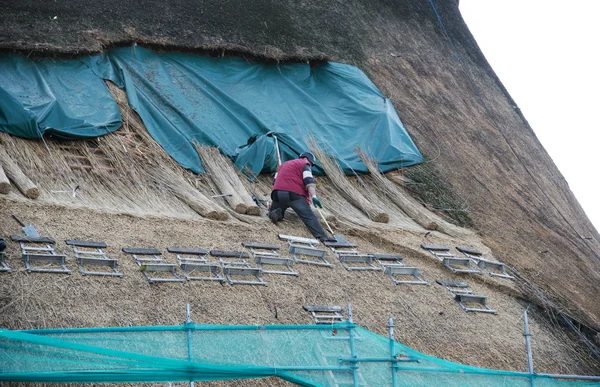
(294, 186)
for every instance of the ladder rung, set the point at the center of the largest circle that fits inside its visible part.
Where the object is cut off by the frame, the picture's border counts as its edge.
(158, 267)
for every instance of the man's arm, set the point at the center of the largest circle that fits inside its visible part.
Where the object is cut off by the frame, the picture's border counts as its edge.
(309, 182)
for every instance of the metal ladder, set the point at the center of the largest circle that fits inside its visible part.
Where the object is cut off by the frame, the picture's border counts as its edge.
(465, 296)
(394, 268)
(302, 249)
(3, 265)
(451, 261)
(266, 254)
(41, 255)
(235, 264)
(491, 268)
(195, 265)
(349, 256)
(323, 314)
(151, 262)
(455, 287)
(89, 253)
(463, 299)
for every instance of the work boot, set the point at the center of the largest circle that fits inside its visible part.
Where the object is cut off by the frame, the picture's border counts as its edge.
(275, 215)
(325, 240)
(2, 244)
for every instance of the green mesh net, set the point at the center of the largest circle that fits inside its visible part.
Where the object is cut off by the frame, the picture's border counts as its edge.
(342, 354)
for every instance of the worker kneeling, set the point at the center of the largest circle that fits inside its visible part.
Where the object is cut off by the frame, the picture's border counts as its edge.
(294, 186)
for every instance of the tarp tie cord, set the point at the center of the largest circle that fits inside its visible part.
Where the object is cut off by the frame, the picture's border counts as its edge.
(49, 151)
(496, 126)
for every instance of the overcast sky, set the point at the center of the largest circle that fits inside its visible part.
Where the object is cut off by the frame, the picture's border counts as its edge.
(547, 54)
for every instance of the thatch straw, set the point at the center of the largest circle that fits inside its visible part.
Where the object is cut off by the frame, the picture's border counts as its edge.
(16, 175)
(337, 177)
(4, 182)
(227, 180)
(396, 195)
(179, 187)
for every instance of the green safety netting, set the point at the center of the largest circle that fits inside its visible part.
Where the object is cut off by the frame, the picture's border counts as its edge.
(227, 102)
(309, 355)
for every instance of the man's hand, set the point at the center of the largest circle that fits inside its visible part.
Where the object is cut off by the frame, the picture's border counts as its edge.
(316, 202)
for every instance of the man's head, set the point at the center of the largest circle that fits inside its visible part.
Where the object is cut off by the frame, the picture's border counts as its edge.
(308, 156)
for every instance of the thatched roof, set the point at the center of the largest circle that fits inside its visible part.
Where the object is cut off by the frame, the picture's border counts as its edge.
(458, 113)
(347, 30)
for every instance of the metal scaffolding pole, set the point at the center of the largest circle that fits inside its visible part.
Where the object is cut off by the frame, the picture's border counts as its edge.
(352, 349)
(394, 365)
(189, 336)
(528, 346)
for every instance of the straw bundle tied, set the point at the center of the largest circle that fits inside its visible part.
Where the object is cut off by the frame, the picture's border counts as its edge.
(16, 175)
(4, 182)
(337, 177)
(396, 195)
(406, 203)
(226, 179)
(178, 186)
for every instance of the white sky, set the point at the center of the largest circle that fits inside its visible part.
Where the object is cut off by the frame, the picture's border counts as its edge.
(547, 54)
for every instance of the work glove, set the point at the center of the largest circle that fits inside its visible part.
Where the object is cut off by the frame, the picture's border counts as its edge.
(316, 202)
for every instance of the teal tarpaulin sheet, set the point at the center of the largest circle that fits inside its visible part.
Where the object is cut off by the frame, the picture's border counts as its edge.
(64, 98)
(227, 102)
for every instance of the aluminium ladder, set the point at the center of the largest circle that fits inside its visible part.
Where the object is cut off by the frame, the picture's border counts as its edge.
(89, 253)
(323, 314)
(266, 254)
(394, 268)
(466, 299)
(152, 265)
(235, 265)
(451, 261)
(349, 256)
(492, 268)
(33, 254)
(195, 265)
(304, 250)
(3, 264)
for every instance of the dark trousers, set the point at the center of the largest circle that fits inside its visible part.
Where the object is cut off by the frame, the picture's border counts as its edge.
(285, 199)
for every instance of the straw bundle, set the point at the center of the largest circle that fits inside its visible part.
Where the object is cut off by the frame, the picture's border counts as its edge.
(337, 177)
(4, 182)
(14, 173)
(178, 186)
(227, 180)
(396, 195)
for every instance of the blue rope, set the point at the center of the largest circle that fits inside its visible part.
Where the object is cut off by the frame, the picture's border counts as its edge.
(445, 31)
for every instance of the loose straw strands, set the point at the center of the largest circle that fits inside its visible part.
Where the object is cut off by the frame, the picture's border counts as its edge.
(337, 177)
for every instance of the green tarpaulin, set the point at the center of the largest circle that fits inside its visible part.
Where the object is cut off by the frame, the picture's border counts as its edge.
(61, 97)
(228, 102)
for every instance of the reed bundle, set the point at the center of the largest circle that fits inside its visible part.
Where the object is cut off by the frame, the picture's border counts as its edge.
(225, 177)
(178, 186)
(4, 182)
(16, 175)
(353, 195)
(396, 195)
